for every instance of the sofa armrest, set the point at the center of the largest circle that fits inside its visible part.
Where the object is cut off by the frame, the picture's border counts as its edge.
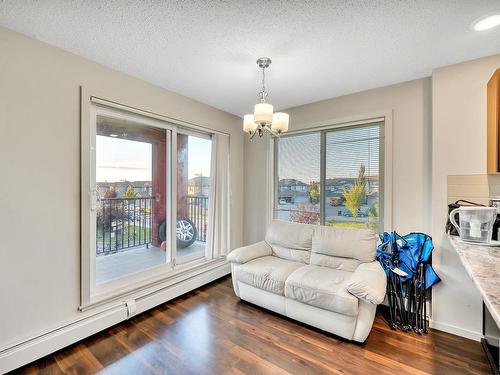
(368, 282)
(248, 253)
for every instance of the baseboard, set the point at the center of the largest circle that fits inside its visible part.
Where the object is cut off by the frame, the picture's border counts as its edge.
(39, 346)
(448, 328)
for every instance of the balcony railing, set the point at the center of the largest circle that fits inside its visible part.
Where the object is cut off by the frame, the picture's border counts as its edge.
(123, 223)
(197, 211)
(126, 223)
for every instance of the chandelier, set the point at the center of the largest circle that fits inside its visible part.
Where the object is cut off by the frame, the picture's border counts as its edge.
(263, 118)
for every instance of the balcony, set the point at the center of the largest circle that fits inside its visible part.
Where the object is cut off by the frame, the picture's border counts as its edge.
(128, 239)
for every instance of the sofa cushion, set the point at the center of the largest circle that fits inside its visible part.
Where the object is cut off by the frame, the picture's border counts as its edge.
(349, 247)
(368, 283)
(322, 287)
(267, 273)
(247, 253)
(290, 241)
(339, 263)
(302, 256)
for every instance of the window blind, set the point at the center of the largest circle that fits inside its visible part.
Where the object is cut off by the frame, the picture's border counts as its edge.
(350, 155)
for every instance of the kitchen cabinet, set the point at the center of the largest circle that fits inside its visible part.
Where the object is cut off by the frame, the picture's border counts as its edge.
(493, 120)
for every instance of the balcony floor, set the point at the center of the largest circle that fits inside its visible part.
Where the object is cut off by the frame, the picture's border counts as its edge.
(113, 266)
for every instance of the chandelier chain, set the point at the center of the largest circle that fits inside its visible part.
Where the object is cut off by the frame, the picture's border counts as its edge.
(263, 79)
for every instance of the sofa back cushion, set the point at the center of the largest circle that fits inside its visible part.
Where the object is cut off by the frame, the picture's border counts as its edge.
(290, 241)
(342, 248)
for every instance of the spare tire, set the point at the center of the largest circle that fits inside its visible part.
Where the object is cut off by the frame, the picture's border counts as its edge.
(185, 232)
(162, 231)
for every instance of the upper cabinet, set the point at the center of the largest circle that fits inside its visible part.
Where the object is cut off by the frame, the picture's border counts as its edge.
(493, 147)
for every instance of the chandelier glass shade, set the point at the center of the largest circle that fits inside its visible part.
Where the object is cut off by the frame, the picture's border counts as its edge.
(263, 118)
(263, 113)
(280, 122)
(249, 125)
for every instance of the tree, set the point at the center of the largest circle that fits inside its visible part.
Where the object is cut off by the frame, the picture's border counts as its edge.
(361, 174)
(130, 193)
(355, 197)
(314, 191)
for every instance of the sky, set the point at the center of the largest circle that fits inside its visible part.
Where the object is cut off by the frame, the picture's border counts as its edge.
(121, 159)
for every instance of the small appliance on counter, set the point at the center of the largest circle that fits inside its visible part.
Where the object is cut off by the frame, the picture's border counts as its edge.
(475, 223)
(495, 202)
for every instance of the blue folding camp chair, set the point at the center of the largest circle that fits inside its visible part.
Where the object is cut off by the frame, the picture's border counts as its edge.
(407, 264)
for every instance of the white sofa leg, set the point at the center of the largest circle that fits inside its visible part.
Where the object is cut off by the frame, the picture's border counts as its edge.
(366, 316)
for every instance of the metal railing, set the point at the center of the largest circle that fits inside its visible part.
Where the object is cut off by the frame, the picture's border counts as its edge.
(126, 223)
(197, 212)
(123, 223)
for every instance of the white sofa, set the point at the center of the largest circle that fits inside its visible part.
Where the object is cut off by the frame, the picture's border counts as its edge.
(322, 276)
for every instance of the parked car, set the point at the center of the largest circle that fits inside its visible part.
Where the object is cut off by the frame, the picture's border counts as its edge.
(282, 201)
(348, 213)
(335, 201)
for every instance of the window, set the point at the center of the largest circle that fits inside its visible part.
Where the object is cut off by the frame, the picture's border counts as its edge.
(332, 177)
(298, 181)
(130, 167)
(193, 194)
(155, 200)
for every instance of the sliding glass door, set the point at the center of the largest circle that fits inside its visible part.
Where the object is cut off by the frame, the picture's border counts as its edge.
(194, 155)
(131, 191)
(154, 201)
(127, 188)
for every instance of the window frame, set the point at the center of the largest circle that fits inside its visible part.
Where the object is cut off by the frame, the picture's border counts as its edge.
(385, 171)
(93, 294)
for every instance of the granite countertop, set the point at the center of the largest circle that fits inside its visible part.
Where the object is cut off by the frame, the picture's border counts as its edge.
(483, 266)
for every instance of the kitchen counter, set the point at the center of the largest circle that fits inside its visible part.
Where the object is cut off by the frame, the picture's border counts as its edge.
(482, 263)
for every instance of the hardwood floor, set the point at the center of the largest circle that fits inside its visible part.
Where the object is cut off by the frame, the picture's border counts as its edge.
(209, 331)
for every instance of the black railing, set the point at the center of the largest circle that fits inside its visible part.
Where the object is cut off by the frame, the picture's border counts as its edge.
(126, 223)
(123, 223)
(197, 211)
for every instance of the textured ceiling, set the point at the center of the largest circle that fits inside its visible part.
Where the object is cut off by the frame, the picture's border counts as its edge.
(207, 49)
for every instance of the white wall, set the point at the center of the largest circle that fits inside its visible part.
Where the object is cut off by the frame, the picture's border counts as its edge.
(40, 181)
(410, 105)
(459, 148)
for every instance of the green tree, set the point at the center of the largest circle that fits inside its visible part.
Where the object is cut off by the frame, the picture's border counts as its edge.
(361, 174)
(355, 197)
(130, 193)
(314, 191)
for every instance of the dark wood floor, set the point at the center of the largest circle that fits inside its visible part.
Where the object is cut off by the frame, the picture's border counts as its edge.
(209, 331)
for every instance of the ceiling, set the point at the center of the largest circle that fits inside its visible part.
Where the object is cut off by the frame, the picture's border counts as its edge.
(207, 49)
